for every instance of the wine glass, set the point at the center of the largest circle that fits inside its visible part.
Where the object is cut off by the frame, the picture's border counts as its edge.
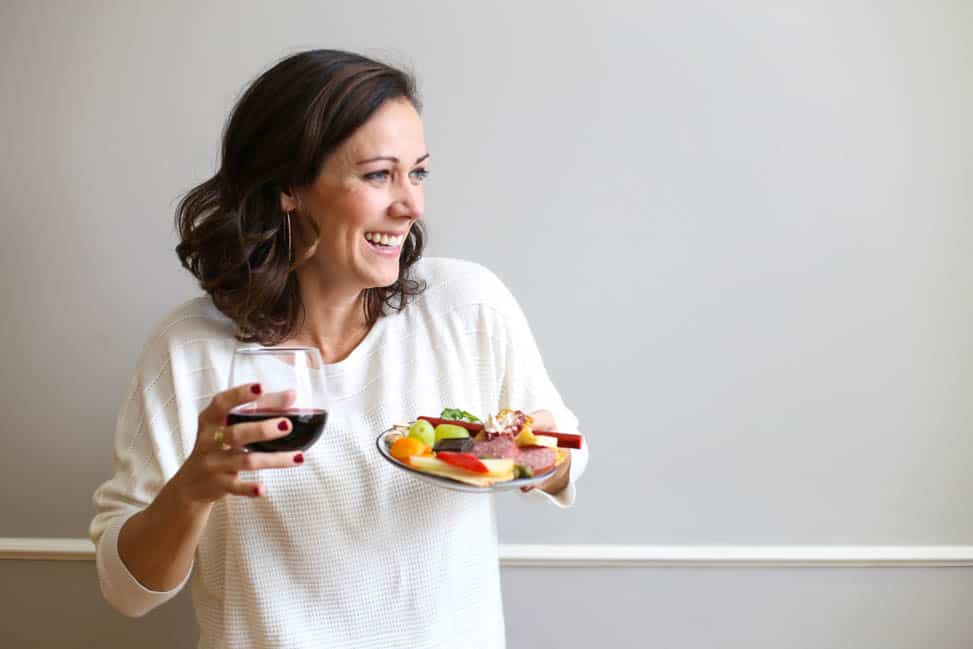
(292, 385)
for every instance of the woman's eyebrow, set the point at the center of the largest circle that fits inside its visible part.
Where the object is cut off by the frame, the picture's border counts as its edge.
(390, 159)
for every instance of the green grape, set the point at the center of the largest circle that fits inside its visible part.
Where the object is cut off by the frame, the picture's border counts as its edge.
(450, 431)
(423, 431)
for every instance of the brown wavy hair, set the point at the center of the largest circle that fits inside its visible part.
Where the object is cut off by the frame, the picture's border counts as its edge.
(234, 237)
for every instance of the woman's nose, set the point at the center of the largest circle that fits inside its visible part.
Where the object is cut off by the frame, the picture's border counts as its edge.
(409, 203)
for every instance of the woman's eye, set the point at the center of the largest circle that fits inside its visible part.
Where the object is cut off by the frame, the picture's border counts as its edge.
(377, 175)
(417, 175)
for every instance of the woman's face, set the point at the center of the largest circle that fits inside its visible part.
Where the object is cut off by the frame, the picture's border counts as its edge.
(367, 196)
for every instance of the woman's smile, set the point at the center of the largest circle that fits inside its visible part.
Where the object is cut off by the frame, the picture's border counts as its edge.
(386, 243)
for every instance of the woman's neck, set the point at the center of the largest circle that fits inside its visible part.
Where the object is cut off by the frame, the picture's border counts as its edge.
(334, 320)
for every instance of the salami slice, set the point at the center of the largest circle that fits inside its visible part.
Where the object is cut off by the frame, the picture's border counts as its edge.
(539, 459)
(498, 447)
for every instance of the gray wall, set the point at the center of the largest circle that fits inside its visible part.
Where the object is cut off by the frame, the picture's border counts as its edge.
(741, 232)
(725, 608)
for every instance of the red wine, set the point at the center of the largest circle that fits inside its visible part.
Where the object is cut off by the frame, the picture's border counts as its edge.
(307, 425)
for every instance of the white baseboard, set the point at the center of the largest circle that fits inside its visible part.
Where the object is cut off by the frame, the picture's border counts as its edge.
(585, 556)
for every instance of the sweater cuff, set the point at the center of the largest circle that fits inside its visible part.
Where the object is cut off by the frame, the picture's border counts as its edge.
(562, 499)
(565, 498)
(119, 586)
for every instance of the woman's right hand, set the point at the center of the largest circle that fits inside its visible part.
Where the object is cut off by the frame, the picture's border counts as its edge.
(211, 470)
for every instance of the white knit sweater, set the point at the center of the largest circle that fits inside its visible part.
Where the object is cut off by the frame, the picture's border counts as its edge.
(344, 550)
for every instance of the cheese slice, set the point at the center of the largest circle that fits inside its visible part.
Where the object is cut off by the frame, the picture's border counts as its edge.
(436, 466)
(545, 440)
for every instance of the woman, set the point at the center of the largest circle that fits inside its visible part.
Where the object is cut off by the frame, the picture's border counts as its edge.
(310, 235)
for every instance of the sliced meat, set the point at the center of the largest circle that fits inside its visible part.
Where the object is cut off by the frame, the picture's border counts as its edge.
(498, 447)
(539, 459)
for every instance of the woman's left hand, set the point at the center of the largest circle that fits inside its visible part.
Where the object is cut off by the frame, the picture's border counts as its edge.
(544, 420)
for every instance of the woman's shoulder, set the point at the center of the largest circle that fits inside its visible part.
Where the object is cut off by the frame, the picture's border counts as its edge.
(194, 318)
(451, 283)
(195, 325)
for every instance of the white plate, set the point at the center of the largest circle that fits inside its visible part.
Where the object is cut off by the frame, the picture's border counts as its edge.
(448, 483)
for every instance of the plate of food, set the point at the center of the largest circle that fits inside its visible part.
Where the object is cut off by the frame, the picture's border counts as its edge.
(459, 451)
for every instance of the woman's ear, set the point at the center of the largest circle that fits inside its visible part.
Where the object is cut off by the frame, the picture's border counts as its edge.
(288, 202)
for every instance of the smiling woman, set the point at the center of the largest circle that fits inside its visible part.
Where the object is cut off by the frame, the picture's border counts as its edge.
(362, 207)
(297, 159)
(309, 239)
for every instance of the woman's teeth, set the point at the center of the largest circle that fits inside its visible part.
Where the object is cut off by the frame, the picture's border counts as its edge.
(392, 241)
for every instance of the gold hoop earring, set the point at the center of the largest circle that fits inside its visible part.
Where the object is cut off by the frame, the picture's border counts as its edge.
(290, 248)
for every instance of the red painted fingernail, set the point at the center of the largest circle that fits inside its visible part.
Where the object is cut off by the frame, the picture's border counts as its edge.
(257, 491)
(282, 425)
(299, 458)
(256, 389)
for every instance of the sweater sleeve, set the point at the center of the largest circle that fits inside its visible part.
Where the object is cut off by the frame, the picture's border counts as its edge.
(527, 386)
(146, 455)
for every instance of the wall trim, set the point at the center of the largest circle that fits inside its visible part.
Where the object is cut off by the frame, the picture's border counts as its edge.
(857, 556)
(39, 549)
(587, 556)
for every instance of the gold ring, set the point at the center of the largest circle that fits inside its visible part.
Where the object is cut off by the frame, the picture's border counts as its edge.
(218, 438)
